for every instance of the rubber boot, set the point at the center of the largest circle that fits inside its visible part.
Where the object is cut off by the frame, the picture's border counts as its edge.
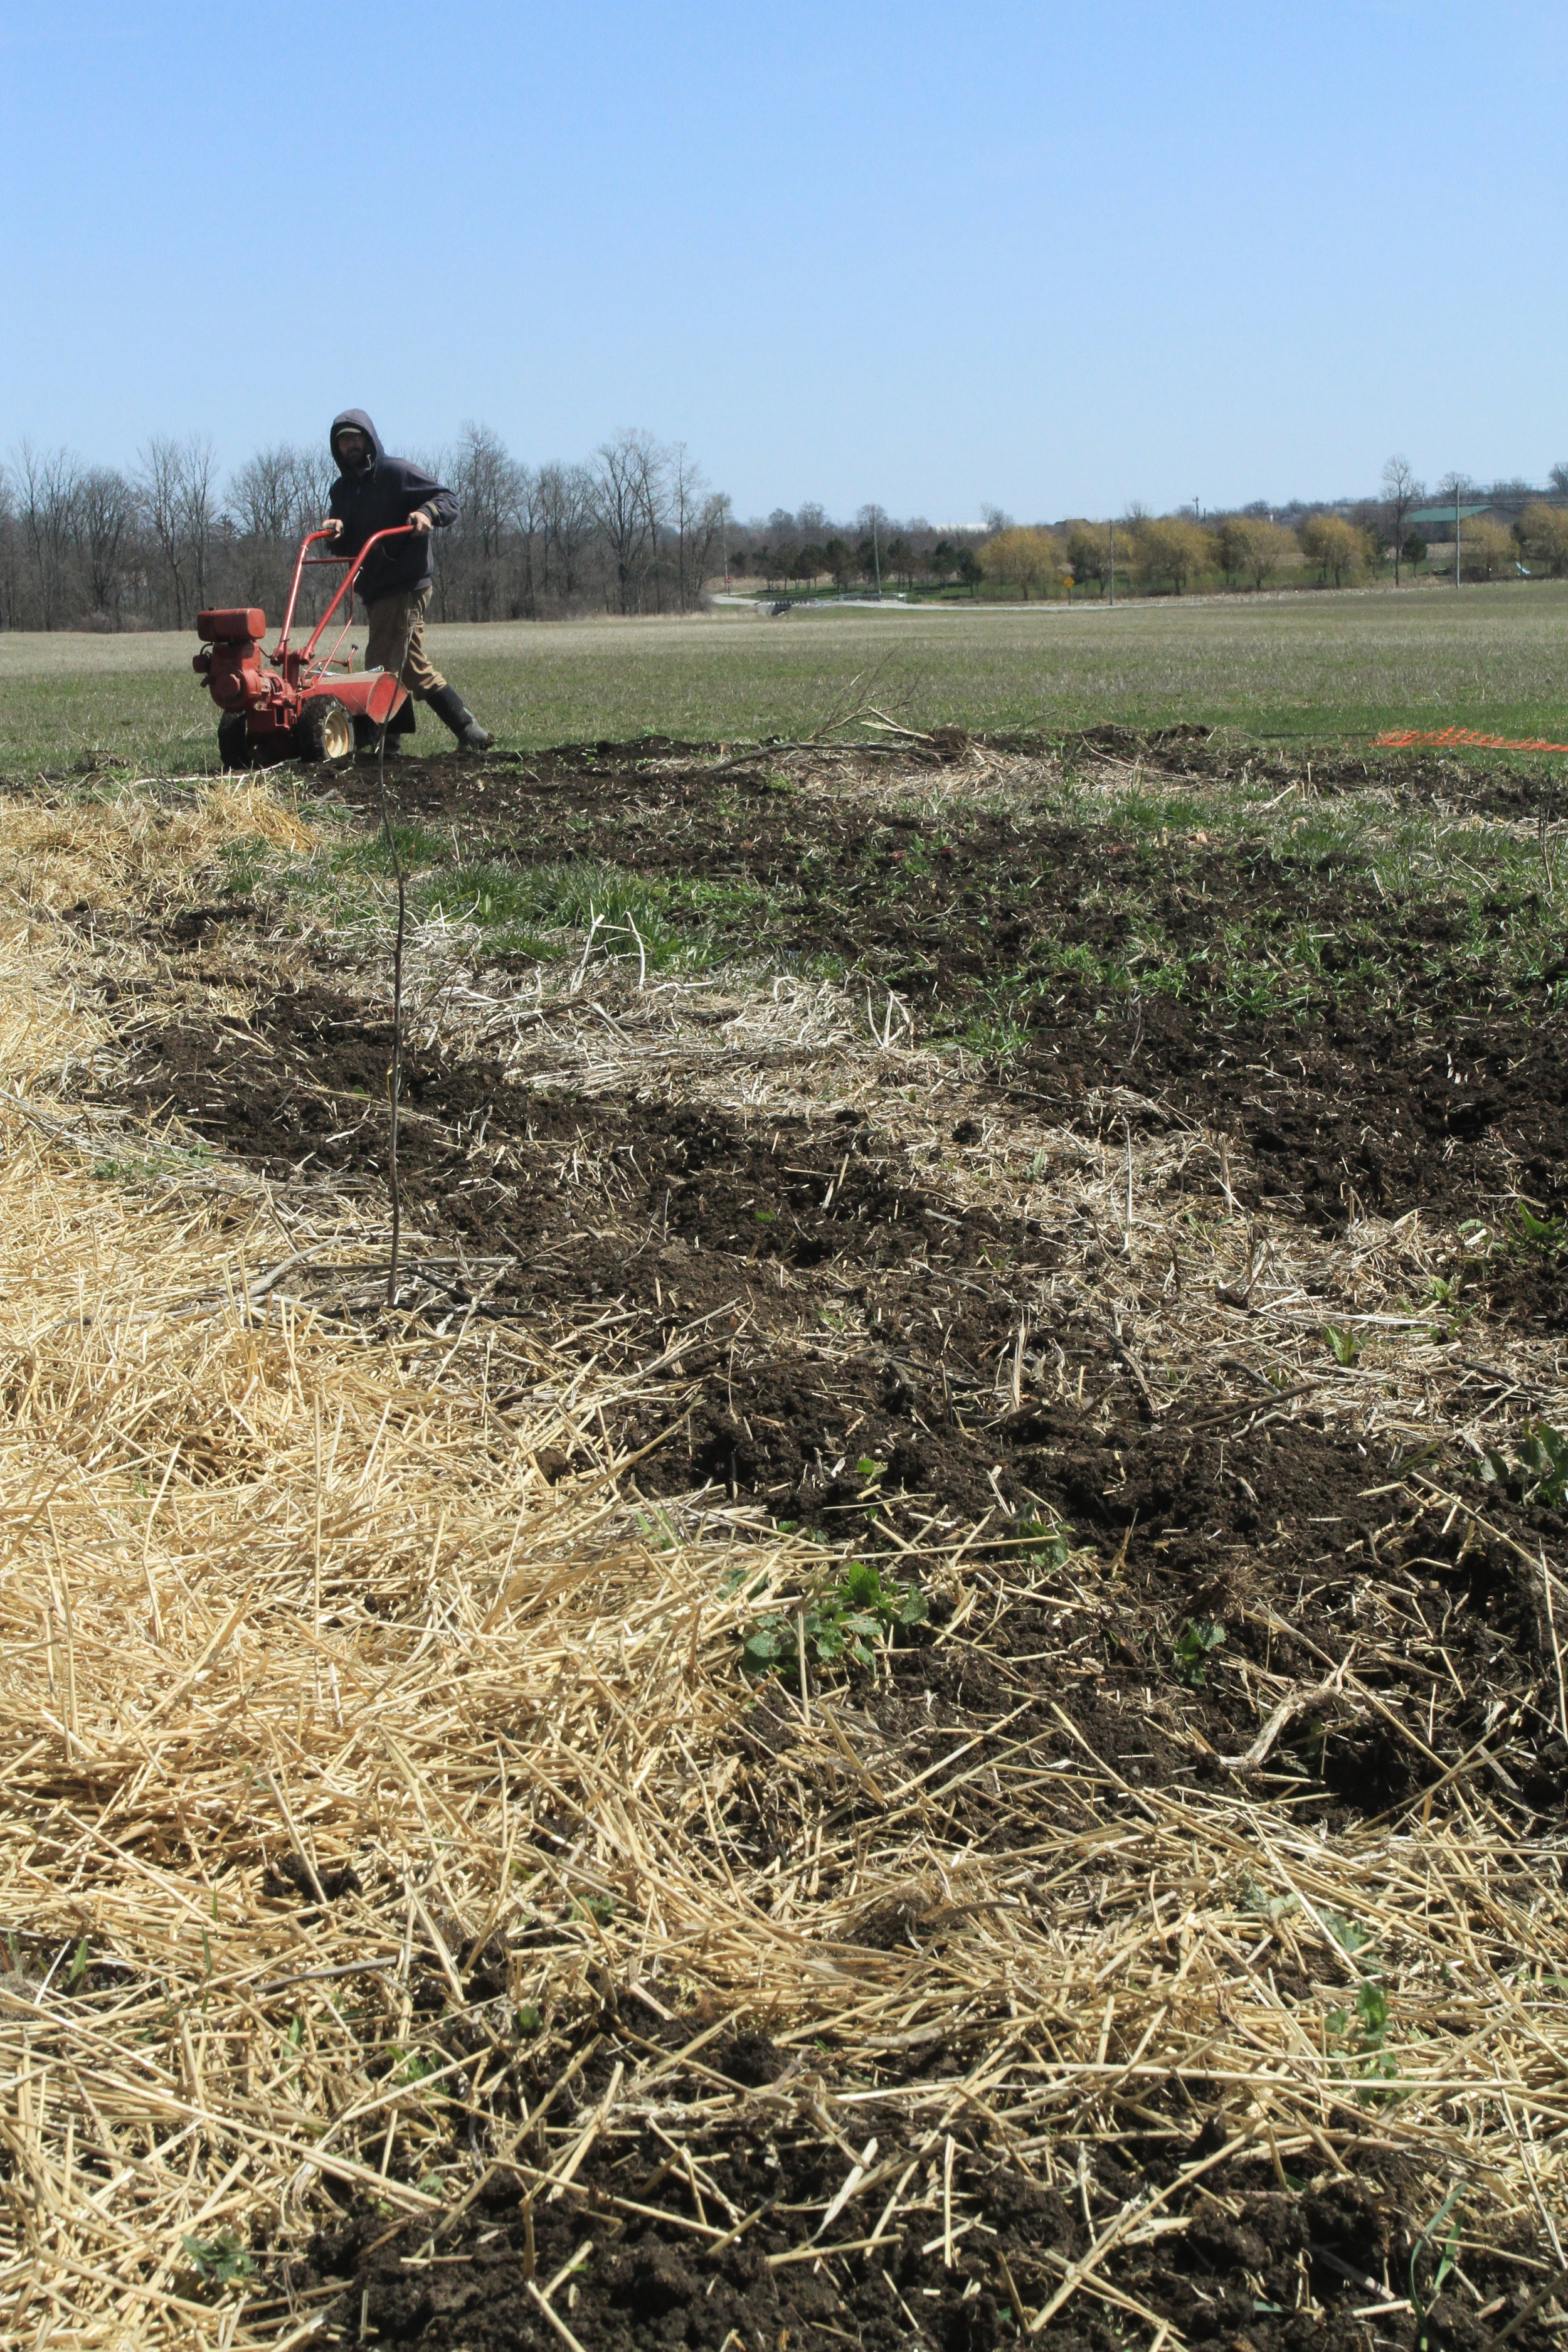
(367, 734)
(402, 723)
(451, 711)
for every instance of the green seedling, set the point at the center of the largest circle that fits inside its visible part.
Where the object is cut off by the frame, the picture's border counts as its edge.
(1363, 2028)
(78, 1969)
(1547, 1234)
(1344, 1346)
(220, 2259)
(600, 1908)
(1197, 1637)
(1372, 2014)
(416, 2066)
(527, 2019)
(1420, 2302)
(849, 1618)
(1538, 1468)
(1348, 1934)
(1044, 1543)
(739, 1583)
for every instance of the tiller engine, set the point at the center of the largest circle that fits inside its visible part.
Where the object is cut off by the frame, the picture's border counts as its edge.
(294, 703)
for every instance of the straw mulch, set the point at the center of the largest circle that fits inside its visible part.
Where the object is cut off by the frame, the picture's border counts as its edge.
(347, 1760)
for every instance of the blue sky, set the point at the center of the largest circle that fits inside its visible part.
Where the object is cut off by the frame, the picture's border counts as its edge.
(1052, 256)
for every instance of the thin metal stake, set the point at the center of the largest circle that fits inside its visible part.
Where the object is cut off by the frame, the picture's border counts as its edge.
(395, 1076)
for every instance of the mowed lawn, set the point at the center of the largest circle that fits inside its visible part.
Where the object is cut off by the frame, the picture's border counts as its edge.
(1304, 668)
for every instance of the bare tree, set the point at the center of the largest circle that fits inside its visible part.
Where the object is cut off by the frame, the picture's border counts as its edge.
(1401, 491)
(200, 509)
(652, 462)
(530, 542)
(180, 501)
(272, 501)
(105, 518)
(569, 498)
(11, 598)
(696, 515)
(160, 486)
(263, 495)
(484, 478)
(48, 484)
(627, 475)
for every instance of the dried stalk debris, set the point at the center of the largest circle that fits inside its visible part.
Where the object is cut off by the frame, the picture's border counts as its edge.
(387, 1824)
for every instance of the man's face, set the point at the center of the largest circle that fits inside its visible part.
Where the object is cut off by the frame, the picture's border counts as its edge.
(352, 448)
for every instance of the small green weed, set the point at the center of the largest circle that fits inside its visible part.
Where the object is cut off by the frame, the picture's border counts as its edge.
(221, 2259)
(1421, 2302)
(1044, 1543)
(1362, 2030)
(1546, 1235)
(1189, 1651)
(1538, 1470)
(1266, 1906)
(600, 1908)
(1348, 1934)
(848, 1619)
(1344, 1347)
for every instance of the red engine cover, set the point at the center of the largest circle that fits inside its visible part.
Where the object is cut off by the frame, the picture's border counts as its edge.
(230, 628)
(234, 674)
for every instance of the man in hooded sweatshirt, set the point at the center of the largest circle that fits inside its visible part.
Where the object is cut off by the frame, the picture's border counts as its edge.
(375, 492)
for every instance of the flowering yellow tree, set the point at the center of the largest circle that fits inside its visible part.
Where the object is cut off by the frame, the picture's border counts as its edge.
(1022, 559)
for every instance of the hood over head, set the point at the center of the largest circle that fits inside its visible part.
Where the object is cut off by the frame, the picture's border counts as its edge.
(356, 417)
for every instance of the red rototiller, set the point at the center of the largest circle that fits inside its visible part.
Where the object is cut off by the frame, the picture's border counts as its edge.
(294, 703)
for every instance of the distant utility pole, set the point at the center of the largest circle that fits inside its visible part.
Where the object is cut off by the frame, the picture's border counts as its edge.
(1113, 565)
(1456, 535)
(876, 556)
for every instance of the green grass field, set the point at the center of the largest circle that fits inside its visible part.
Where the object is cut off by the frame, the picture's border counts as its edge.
(1300, 669)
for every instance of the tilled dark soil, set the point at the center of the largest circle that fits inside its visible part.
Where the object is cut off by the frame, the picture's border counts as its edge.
(728, 1254)
(643, 2238)
(829, 1332)
(1434, 1087)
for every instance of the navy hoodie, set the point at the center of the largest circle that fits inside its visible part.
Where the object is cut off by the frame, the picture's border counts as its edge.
(381, 498)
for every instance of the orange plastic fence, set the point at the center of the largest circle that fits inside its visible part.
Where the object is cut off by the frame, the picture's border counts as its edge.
(1398, 738)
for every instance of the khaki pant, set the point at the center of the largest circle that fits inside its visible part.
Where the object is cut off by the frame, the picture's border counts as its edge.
(397, 632)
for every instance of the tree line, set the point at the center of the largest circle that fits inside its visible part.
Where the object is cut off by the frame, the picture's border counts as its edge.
(804, 549)
(1170, 554)
(1252, 549)
(635, 528)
